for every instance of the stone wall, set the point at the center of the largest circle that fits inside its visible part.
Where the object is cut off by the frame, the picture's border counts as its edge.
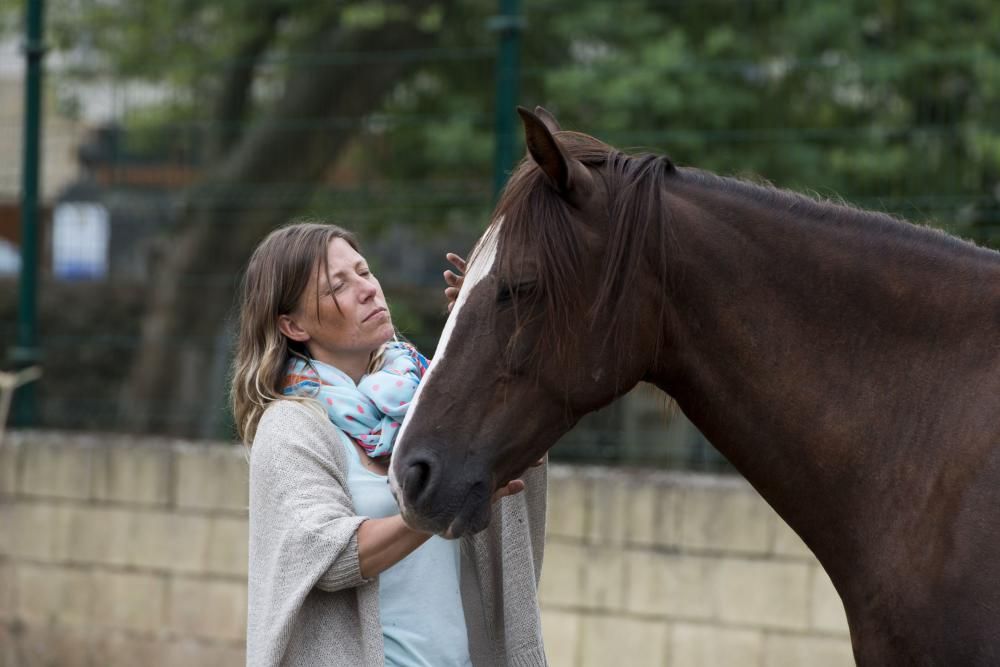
(681, 570)
(117, 551)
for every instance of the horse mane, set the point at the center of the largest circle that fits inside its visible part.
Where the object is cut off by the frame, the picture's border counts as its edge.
(820, 209)
(531, 214)
(535, 216)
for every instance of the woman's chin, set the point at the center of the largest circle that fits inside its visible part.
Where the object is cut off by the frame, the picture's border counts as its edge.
(386, 332)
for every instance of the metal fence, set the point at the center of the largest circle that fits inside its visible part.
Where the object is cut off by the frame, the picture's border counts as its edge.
(899, 117)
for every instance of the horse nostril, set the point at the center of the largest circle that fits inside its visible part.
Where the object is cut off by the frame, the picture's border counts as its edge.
(416, 480)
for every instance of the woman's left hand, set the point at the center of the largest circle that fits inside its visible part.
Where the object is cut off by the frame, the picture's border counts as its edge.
(515, 486)
(454, 280)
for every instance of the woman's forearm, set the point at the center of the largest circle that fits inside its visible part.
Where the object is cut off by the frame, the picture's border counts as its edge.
(384, 542)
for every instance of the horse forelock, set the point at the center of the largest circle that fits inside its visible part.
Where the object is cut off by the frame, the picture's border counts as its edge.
(540, 221)
(540, 237)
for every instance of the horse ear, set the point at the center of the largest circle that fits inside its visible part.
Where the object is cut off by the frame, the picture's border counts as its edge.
(549, 120)
(568, 176)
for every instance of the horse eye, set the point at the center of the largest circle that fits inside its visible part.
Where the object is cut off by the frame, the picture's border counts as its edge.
(507, 292)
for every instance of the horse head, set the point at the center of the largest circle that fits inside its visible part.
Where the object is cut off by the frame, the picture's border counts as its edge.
(556, 318)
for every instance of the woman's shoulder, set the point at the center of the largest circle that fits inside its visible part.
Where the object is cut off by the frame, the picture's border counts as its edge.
(295, 415)
(288, 426)
(284, 413)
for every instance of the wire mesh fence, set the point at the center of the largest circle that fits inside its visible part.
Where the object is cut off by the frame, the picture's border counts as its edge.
(379, 116)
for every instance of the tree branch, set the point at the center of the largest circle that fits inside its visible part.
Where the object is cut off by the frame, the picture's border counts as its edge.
(182, 319)
(238, 77)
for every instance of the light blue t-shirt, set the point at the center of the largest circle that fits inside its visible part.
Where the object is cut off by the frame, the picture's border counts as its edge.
(420, 603)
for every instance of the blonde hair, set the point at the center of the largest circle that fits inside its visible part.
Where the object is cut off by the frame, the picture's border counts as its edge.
(276, 277)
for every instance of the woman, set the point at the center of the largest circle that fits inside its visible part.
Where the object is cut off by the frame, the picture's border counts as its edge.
(335, 577)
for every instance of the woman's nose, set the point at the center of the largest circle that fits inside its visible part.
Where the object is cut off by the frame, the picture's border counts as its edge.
(368, 292)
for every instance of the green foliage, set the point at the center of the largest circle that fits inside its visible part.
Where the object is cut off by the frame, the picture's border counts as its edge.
(889, 104)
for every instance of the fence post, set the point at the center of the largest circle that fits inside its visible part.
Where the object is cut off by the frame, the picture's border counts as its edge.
(509, 24)
(26, 353)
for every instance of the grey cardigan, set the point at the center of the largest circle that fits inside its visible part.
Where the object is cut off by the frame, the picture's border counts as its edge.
(307, 601)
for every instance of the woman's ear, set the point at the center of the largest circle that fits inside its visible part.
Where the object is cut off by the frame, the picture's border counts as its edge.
(291, 329)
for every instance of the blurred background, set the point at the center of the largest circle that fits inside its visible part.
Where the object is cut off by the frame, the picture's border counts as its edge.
(175, 134)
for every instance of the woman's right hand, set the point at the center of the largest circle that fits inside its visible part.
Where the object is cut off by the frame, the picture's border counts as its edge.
(454, 280)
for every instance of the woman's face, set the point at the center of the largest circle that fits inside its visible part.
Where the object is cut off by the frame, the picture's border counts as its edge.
(344, 336)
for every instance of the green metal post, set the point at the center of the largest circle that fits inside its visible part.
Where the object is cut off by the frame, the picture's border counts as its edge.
(509, 24)
(26, 351)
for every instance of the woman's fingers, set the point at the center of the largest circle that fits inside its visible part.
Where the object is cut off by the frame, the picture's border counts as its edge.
(456, 260)
(514, 486)
(452, 294)
(453, 280)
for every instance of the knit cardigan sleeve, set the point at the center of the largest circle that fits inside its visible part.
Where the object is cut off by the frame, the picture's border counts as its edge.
(303, 528)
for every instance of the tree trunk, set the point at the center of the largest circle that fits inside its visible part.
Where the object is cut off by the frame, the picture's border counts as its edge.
(261, 181)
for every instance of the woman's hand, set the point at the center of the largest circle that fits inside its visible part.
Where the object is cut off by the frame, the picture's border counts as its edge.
(454, 280)
(515, 486)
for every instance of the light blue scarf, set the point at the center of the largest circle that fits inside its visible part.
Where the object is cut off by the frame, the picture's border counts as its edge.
(371, 410)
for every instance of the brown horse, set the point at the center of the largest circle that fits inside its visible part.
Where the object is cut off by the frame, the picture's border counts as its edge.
(847, 363)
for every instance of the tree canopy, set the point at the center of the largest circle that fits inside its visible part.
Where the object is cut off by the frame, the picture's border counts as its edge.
(379, 114)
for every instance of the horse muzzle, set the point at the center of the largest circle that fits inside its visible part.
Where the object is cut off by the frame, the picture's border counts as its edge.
(433, 500)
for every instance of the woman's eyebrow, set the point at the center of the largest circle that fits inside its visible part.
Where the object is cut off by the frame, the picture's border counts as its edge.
(343, 272)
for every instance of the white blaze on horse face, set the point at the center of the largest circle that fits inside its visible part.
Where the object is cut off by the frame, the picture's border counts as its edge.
(483, 257)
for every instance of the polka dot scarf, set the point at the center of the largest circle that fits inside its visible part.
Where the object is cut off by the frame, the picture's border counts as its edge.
(371, 410)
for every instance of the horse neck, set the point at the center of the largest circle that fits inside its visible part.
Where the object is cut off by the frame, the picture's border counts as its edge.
(788, 330)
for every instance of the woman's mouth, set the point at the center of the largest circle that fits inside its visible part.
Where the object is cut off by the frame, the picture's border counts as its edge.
(375, 313)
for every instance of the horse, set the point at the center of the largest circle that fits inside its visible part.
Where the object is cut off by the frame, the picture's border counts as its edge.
(846, 362)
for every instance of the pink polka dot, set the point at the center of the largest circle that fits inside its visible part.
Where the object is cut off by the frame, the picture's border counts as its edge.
(394, 425)
(361, 410)
(375, 388)
(402, 402)
(329, 401)
(399, 383)
(350, 418)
